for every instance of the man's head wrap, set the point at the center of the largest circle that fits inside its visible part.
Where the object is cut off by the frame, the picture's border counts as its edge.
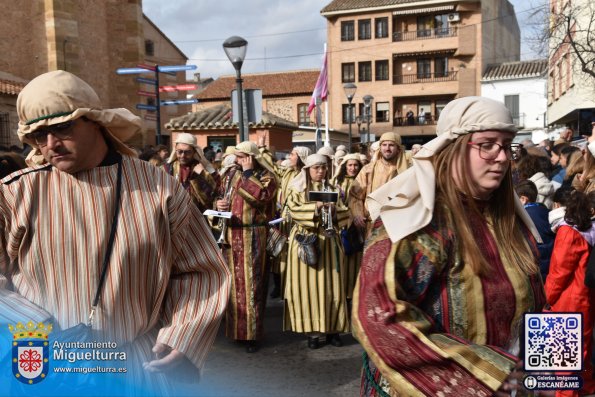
(251, 149)
(190, 140)
(58, 96)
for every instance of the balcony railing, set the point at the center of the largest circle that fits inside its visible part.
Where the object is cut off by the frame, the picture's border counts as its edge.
(425, 34)
(424, 77)
(427, 119)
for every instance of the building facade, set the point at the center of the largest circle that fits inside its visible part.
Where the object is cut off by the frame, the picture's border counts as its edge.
(90, 39)
(522, 86)
(571, 92)
(412, 57)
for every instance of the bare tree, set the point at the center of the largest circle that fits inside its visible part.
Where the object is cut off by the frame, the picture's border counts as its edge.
(562, 27)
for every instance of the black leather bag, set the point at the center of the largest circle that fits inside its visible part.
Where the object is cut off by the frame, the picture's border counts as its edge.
(307, 248)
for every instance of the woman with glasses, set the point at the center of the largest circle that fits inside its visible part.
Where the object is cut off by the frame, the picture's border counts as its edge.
(450, 266)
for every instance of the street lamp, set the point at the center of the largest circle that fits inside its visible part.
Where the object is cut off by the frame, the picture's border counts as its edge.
(368, 105)
(235, 49)
(350, 89)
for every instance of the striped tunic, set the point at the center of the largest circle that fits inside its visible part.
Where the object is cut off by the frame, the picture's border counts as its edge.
(252, 201)
(202, 187)
(315, 295)
(430, 326)
(352, 262)
(166, 280)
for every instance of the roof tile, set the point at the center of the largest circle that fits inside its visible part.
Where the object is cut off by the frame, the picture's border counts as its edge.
(219, 117)
(515, 70)
(345, 5)
(294, 83)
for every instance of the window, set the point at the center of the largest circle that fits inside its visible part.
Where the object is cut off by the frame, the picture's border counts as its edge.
(303, 118)
(365, 71)
(149, 47)
(440, 104)
(347, 31)
(382, 111)
(382, 70)
(348, 72)
(512, 103)
(423, 68)
(364, 29)
(5, 133)
(345, 112)
(441, 67)
(424, 26)
(381, 27)
(441, 25)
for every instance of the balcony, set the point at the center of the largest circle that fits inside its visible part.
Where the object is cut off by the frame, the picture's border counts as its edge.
(425, 34)
(428, 119)
(424, 78)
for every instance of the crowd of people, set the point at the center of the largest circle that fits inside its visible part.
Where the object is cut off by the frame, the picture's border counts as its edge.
(429, 256)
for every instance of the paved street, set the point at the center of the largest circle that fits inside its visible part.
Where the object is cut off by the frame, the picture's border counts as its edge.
(284, 366)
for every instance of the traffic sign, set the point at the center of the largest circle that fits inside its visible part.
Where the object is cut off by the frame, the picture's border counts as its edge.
(147, 93)
(142, 106)
(146, 81)
(150, 117)
(148, 67)
(176, 68)
(179, 102)
(132, 70)
(179, 87)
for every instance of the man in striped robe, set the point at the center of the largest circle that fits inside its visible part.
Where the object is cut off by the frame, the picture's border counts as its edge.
(250, 197)
(166, 284)
(189, 166)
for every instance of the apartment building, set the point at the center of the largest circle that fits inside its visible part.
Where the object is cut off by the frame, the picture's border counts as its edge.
(571, 92)
(90, 39)
(412, 57)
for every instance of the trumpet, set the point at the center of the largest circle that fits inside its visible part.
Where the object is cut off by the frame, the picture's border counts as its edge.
(222, 224)
(326, 215)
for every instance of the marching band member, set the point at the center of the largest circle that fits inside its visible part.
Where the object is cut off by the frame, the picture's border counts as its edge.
(249, 196)
(314, 293)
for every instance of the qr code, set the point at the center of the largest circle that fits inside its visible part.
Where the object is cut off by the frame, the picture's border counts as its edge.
(553, 341)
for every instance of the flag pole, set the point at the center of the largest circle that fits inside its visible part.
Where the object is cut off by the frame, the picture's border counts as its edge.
(326, 137)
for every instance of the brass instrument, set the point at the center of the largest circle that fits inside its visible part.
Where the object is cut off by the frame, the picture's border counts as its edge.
(222, 224)
(327, 215)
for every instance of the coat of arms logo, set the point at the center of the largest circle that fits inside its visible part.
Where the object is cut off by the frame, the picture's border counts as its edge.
(30, 351)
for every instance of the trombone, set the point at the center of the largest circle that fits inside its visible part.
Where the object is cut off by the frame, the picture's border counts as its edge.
(222, 224)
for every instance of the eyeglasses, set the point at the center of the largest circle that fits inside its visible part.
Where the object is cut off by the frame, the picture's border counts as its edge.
(181, 152)
(491, 150)
(60, 131)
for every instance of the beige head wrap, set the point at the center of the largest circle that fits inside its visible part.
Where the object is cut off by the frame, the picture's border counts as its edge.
(190, 140)
(59, 96)
(406, 203)
(299, 182)
(390, 136)
(228, 161)
(302, 152)
(326, 151)
(251, 149)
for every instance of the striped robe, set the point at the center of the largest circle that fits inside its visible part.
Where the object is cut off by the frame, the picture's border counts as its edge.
(352, 262)
(252, 201)
(429, 325)
(284, 176)
(202, 187)
(315, 296)
(166, 280)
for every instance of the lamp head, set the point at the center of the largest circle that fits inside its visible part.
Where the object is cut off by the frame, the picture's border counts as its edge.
(235, 48)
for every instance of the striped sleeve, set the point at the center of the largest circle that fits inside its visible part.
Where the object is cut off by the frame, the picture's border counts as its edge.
(198, 289)
(258, 191)
(13, 306)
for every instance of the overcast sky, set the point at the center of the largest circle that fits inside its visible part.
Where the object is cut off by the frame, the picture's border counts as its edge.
(282, 34)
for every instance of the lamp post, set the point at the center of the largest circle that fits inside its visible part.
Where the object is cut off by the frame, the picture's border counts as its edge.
(350, 89)
(235, 49)
(368, 105)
